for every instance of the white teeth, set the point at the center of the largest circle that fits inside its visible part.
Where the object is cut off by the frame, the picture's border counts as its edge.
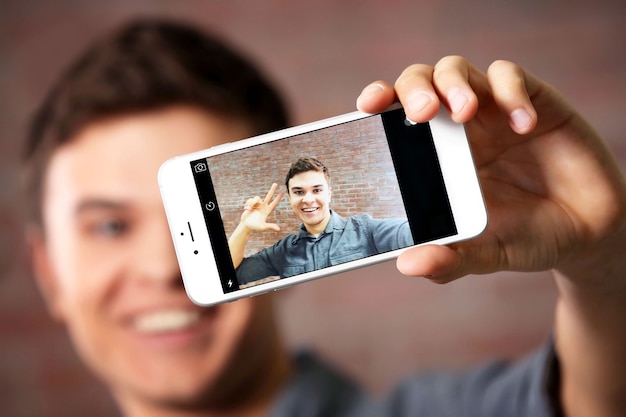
(164, 321)
(309, 210)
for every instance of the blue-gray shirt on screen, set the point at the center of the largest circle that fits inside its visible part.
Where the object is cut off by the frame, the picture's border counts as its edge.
(343, 240)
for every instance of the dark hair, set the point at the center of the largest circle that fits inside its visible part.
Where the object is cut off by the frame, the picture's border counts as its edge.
(146, 65)
(306, 164)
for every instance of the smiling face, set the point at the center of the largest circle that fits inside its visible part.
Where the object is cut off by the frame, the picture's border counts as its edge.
(309, 197)
(107, 266)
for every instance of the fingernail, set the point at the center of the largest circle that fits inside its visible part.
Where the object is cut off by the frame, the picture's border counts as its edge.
(521, 119)
(369, 91)
(457, 100)
(418, 100)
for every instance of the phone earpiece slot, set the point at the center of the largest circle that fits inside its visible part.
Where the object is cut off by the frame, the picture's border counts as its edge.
(190, 232)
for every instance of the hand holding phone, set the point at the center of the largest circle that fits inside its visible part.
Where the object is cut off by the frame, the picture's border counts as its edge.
(358, 189)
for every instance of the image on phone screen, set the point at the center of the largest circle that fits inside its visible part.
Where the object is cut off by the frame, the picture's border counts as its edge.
(382, 190)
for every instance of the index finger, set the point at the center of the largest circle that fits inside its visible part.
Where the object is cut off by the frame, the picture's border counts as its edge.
(270, 193)
(376, 97)
(413, 88)
(274, 203)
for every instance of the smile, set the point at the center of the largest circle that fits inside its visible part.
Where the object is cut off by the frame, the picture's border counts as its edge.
(310, 210)
(166, 321)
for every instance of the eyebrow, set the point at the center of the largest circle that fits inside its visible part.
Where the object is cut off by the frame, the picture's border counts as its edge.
(99, 204)
(295, 187)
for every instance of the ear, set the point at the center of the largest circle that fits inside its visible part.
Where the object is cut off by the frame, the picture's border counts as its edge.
(44, 272)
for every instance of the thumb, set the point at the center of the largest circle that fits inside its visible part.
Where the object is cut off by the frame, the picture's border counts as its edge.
(272, 226)
(440, 264)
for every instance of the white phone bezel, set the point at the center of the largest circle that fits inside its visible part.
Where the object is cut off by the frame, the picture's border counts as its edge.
(183, 207)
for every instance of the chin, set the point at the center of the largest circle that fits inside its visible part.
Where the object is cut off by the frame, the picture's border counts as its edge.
(186, 398)
(217, 373)
(176, 392)
(182, 379)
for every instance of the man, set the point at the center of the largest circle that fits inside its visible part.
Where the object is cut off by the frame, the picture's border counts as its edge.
(100, 240)
(105, 263)
(325, 238)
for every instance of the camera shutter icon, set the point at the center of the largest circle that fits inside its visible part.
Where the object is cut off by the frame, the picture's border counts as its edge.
(200, 167)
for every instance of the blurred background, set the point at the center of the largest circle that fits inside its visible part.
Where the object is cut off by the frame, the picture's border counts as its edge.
(321, 53)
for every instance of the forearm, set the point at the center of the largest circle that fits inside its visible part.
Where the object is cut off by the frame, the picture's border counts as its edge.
(237, 243)
(591, 331)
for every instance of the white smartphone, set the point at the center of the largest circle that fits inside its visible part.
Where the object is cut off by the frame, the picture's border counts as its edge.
(386, 184)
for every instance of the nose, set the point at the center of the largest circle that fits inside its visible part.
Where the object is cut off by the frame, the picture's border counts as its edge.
(156, 261)
(308, 197)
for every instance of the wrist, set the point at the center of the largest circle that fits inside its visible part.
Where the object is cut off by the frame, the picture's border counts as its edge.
(600, 267)
(242, 230)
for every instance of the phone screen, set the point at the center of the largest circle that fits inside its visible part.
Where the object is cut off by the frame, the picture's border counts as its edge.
(385, 191)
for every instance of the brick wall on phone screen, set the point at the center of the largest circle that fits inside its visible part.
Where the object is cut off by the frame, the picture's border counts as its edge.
(356, 155)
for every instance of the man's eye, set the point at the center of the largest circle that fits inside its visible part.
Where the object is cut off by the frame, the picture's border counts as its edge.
(109, 228)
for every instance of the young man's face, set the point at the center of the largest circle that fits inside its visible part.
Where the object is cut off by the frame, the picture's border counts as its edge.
(107, 267)
(309, 196)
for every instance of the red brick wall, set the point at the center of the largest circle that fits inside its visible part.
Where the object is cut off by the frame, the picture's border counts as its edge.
(322, 53)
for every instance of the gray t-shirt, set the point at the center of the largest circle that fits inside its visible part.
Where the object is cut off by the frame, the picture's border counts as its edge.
(527, 388)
